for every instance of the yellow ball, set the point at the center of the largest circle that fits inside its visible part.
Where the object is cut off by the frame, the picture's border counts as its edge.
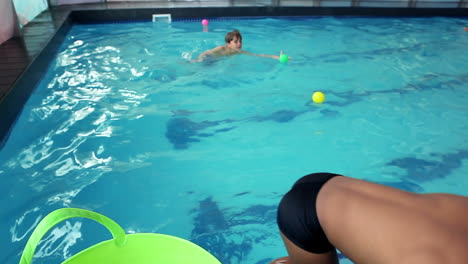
(318, 97)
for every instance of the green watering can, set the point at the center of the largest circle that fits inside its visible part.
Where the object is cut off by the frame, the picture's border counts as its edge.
(140, 248)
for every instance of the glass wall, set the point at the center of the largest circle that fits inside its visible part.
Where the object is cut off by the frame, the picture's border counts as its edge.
(7, 21)
(27, 10)
(71, 2)
(324, 3)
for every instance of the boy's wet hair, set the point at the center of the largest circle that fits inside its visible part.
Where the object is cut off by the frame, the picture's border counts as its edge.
(230, 36)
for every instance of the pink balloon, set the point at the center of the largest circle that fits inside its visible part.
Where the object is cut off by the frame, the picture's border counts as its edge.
(204, 22)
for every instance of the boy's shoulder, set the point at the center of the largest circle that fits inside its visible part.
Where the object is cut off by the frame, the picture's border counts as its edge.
(220, 48)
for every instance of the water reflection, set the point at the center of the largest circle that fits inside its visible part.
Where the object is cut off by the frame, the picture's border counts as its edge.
(59, 239)
(66, 149)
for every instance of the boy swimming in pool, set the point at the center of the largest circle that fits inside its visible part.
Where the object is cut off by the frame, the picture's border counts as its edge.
(233, 46)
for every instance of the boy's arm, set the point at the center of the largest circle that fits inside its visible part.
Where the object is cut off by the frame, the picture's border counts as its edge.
(276, 57)
(260, 55)
(299, 256)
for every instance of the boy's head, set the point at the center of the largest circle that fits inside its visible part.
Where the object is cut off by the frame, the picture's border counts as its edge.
(234, 39)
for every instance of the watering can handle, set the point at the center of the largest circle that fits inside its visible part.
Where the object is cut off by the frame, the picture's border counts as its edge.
(63, 214)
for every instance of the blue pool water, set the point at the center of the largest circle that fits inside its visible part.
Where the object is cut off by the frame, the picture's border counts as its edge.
(124, 125)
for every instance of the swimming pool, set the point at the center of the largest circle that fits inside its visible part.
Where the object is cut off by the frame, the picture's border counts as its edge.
(124, 125)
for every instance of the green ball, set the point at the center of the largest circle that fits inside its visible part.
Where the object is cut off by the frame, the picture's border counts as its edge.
(283, 58)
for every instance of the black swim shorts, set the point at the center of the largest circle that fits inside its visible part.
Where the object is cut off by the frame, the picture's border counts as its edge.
(297, 215)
